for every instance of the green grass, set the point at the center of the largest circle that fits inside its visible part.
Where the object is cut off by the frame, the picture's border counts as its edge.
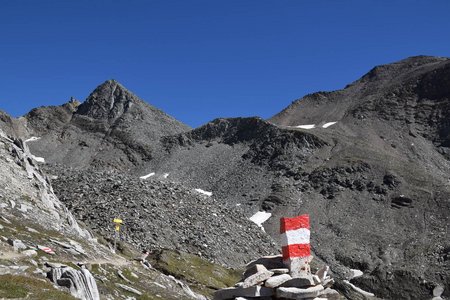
(205, 277)
(12, 287)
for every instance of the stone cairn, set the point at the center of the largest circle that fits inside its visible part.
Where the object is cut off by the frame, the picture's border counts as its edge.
(286, 276)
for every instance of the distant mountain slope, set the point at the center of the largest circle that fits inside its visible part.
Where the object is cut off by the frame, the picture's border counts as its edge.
(113, 128)
(412, 94)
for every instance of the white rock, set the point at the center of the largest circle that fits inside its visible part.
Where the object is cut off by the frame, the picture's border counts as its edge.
(438, 290)
(30, 253)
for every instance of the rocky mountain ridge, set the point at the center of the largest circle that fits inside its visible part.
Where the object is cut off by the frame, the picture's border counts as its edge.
(369, 163)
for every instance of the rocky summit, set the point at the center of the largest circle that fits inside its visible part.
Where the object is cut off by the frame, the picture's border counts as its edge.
(369, 163)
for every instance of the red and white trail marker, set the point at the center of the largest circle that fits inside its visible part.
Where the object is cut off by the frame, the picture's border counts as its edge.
(46, 249)
(295, 236)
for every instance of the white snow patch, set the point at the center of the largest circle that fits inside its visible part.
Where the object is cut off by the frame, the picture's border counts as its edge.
(356, 273)
(147, 176)
(311, 126)
(326, 125)
(260, 217)
(32, 139)
(38, 159)
(166, 175)
(209, 194)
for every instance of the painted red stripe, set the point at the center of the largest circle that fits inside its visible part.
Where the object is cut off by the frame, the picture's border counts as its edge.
(296, 250)
(287, 224)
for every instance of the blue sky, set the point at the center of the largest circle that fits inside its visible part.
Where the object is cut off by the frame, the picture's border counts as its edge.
(199, 60)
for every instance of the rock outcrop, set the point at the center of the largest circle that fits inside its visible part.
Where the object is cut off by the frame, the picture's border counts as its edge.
(80, 283)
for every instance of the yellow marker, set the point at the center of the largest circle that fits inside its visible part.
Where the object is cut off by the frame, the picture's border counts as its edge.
(118, 222)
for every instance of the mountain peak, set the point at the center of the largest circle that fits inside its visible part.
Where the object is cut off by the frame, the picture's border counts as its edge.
(108, 101)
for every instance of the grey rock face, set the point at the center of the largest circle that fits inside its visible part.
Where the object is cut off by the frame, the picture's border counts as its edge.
(25, 185)
(81, 283)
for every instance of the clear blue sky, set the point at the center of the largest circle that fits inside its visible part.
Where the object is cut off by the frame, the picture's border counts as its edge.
(198, 60)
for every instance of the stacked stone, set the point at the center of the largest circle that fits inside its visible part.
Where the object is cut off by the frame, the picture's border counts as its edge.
(269, 278)
(287, 276)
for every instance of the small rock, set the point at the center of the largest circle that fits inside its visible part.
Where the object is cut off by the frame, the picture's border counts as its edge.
(257, 278)
(438, 290)
(32, 230)
(17, 244)
(129, 289)
(30, 253)
(257, 268)
(322, 272)
(316, 279)
(270, 262)
(55, 265)
(328, 282)
(330, 294)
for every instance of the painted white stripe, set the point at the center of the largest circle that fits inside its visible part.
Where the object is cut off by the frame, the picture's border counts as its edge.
(147, 176)
(306, 126)
(298, 236)
(326, 125)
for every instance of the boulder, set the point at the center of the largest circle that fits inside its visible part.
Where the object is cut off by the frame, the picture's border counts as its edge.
(257, 268)
(17, 244)
(257, 278)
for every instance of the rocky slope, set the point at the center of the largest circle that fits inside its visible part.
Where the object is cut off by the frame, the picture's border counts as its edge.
(369, 163)
(46, 254)
(163, 215)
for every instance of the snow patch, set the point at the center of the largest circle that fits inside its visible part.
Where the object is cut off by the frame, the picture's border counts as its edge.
(311, 126)
(166, 175)
(356, 273)
(260, 217)
(209, 194)
(326, 125)
(32, 139)
(147, 176)
(38, 159)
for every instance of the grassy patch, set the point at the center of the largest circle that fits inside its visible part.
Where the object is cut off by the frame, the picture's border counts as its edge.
(20, 287)
(205, 277)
